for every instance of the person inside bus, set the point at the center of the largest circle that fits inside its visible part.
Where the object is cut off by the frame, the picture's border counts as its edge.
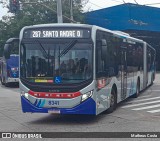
(29, 68)
(87, 69)
(82, 66)
(76, 62)
(63, 67)
(71, 67)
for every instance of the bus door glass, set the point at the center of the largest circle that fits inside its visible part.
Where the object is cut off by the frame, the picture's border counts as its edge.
(123, 51)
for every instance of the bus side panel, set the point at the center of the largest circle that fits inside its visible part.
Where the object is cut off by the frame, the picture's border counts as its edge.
(4, 72)
(145, 76)
(150, 65)
(0, 69)
(141, 80)
(103, 95)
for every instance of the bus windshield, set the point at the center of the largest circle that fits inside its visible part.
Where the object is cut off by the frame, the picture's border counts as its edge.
(44, 61)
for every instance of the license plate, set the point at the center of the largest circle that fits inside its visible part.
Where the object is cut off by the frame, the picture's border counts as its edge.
(54, 111)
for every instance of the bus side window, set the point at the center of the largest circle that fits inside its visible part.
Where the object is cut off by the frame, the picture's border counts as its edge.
(148, 59)
(15, 47)
(109, 66)
(113, 55)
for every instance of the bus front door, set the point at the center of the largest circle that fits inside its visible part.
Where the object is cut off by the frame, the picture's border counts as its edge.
(123, 73)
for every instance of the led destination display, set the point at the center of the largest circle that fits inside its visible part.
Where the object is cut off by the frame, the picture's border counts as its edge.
(57, 33)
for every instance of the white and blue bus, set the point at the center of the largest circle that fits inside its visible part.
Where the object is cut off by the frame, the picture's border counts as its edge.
(9, 64)
(81, 69)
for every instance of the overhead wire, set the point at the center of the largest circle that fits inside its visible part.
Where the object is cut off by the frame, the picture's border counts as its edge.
(124, 2)
(95, 4)
(103, 7)
(136, 2)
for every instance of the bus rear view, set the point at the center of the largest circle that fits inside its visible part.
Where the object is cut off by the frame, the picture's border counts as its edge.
(13, 68)
(10, 62)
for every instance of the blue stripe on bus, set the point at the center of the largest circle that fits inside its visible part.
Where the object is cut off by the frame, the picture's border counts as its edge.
(39, 103)
(42, 103)
(35, 103)
(86, 107)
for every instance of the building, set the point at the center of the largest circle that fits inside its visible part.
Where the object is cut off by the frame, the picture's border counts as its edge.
(139, 21)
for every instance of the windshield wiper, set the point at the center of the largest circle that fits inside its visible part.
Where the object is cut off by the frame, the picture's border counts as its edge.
(68, 47)
(43, 50)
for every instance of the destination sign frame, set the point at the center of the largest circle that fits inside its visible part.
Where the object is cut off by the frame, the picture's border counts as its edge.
(56, 33)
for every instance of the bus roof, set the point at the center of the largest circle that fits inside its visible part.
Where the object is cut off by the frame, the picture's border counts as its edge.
(120, 34)
(60, 25)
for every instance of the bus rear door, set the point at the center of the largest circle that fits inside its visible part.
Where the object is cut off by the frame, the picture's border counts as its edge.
(123, 72)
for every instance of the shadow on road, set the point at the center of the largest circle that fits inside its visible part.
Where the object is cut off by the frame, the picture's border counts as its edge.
(67, 119)
(11, 85)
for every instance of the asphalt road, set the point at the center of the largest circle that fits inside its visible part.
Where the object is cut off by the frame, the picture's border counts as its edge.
(140, 114)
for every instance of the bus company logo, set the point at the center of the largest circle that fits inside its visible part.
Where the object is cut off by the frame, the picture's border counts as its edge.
(6, 135)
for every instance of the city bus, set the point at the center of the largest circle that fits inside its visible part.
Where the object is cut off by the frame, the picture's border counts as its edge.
(9, 64)
(81, 69)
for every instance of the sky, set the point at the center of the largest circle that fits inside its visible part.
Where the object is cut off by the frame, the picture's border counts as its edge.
(3, 11)
(99, 4)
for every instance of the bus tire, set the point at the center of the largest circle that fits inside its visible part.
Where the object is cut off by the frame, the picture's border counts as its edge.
(2, 81)
(152, 79)
(6, 84)
(113, 101)
(137, 89)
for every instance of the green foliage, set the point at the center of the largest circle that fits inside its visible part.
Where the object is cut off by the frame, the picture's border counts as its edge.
(31, 14)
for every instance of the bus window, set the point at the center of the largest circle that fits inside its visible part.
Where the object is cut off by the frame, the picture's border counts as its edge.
(109, 66)
(15, 47)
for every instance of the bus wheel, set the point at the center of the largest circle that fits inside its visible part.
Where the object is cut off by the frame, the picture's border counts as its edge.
(2, 81)
(137, 90)
(6, 84)
(152, 79)
(113, 102)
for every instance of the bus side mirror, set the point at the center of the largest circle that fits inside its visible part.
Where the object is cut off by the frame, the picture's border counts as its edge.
(103, 49)
(7, 51)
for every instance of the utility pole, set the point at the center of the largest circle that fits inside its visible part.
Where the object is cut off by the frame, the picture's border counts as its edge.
(71, 10)
(59, 11)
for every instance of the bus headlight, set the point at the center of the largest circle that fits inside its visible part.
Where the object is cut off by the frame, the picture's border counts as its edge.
(87, 95)
(24, 94)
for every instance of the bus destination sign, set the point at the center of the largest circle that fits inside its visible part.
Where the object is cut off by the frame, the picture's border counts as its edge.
(70, 33)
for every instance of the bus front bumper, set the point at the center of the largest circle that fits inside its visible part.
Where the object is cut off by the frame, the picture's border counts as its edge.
(9, 80)
(86, 107)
